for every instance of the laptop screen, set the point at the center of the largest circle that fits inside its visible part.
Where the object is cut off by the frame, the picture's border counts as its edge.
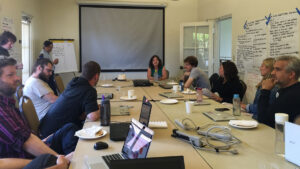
(145, 112)
(138, 141)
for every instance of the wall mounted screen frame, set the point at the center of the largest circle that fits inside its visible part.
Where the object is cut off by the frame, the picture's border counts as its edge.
(137, 61)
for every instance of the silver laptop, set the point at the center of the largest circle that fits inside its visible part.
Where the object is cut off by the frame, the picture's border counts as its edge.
(219, 116)
(136, 146)
(292, 143)
(170, 95)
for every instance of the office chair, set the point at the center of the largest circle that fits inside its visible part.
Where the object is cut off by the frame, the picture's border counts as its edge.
(28, 112)
(168, 74)
(59, 83)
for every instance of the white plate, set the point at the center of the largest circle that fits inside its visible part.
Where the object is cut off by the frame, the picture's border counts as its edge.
(172, 83)
(189, 92)
(84, 133)
(243, 124)
(169, 101)
(107, 85)
(127, 98)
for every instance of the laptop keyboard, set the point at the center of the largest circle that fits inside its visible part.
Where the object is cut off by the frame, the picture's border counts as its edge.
(109, 158)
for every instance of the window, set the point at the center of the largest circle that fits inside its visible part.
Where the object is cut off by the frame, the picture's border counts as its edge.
(225, 39)
(26, 47)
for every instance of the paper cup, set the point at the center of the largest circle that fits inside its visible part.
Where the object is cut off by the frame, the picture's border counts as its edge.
(281, 118)
(130, 93)
(189, 107)
(175, 88)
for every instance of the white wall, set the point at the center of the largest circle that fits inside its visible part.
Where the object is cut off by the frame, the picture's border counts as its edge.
(13, 9)
(60, 19)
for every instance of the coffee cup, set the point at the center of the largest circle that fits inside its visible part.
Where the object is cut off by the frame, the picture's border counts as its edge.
(189, 107)
(130, 93)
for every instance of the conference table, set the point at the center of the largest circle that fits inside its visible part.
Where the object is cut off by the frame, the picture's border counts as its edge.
(256, 149)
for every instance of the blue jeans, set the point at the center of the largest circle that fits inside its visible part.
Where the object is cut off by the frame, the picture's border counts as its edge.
(63, 140)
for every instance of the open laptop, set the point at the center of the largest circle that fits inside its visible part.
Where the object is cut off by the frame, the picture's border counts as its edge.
(136, 145)
(219, 116)
(292, 143)
(170, 95)
(118, 131)
(169, 162)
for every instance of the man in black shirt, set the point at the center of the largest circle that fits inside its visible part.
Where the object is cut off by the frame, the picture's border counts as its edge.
(286, 73)
(76, 103)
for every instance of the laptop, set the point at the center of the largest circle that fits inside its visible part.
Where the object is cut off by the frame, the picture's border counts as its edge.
(219, 116)
(118, 131)
(170, 95)
(292, 143)
(141, 82)
(169, 162)
(136, 145)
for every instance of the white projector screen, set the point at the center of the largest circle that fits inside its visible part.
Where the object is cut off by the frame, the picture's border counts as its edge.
(121, 38)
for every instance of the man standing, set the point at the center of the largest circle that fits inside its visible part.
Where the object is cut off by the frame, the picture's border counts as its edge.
(16, 139)
(45, 53)
(286, 73)
(37, 89)
(77, 102)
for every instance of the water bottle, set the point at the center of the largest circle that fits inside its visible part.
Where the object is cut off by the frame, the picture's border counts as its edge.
(105, 112)
(199, 94)
(280, 119)
(181, 85)
(155, 76)
(236, 105)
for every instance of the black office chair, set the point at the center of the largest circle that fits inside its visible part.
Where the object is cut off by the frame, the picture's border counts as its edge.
(244, 89)
(213, 78)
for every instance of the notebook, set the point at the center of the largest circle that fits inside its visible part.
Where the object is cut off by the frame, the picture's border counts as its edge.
(118, 131)
(219, 116)
(292, 143)
(136, 145)
(170, 95)
(170, 162)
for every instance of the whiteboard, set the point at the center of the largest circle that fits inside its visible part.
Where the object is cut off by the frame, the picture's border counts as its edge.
(64, 51)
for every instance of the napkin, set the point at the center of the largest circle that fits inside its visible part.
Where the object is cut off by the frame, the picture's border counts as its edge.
(243, 123)
(88, 132)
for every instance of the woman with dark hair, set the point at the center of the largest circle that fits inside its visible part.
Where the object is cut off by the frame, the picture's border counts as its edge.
(227, 84)
(156, 70)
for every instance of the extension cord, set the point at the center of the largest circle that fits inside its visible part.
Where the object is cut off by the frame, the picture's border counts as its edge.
(226, 137)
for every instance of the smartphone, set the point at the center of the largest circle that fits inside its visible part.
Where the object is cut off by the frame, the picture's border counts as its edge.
(222, 109)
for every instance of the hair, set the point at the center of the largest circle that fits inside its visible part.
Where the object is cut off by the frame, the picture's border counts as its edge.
(293, 64)
(90, 69)
(160, 65)
(47, 43)
(230, 71)
(41, 62)
(7, 36)
(6, 62)
(192, 60)
(269, 63)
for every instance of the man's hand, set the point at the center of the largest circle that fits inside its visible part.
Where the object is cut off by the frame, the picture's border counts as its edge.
(55, 61)
(268, 84)
(62, 161)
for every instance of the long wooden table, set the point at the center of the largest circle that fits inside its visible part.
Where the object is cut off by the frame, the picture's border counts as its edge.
(255, 151)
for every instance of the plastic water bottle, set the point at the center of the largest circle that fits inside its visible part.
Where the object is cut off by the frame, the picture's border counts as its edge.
(105, 112)
(199, 94)
(280, 119)
(181, 85)
(236, 105)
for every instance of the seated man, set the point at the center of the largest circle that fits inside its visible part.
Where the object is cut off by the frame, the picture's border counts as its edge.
(78, 101)
(194, 75)
(16, 139)
(286, 73)
(37, 89)
(46, 160)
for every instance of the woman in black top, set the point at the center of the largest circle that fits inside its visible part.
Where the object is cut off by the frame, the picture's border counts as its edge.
(227, 84)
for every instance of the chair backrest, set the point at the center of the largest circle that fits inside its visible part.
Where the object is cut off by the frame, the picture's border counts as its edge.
(168, 74)
(19, 92)
(213, 78)
(28, 111)
(59, 83)
(244, 88)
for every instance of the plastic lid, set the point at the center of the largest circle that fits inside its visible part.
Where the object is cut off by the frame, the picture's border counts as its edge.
(235, 96)
(281, 118)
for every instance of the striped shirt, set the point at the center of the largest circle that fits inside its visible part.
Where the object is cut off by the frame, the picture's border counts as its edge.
(14, 131)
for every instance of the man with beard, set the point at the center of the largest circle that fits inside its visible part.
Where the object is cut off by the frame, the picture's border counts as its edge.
(37, 88)
(17, 143)
(286, 73)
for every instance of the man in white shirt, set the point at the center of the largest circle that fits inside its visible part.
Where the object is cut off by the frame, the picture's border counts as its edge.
(37, 89)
